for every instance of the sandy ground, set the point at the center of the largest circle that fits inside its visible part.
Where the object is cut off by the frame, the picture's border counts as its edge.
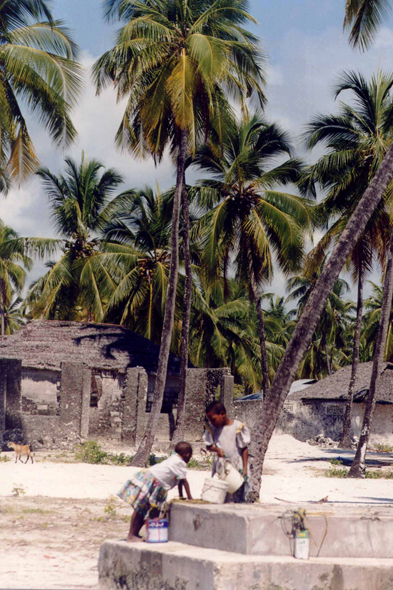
(50, 535)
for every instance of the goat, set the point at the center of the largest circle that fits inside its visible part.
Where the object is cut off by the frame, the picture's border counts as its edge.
(21, 450)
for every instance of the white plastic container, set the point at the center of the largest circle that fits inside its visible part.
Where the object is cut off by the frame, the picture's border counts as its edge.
(302, 544)
(214, 491)
(157, 530)
(231, 476)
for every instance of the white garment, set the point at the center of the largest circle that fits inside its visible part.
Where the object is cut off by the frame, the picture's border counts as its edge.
(170, 471)
(232, 439)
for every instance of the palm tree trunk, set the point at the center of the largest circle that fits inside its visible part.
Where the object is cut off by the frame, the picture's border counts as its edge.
(358, 468)
(146, 444)
(2, 308)
(185, 333)
(307, 323)
(329, 368)
(255, 299)
(345, 441)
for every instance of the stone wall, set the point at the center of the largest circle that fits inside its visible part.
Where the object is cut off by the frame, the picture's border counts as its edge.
(307, 419)
(204, 386)
(51, 408)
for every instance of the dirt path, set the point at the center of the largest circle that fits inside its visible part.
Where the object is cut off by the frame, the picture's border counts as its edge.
(54, 543)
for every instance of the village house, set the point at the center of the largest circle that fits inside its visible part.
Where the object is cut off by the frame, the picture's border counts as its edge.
(63, 381)
(319, 408)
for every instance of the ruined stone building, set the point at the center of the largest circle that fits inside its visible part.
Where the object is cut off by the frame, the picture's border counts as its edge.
(60, 381)
(320, 408)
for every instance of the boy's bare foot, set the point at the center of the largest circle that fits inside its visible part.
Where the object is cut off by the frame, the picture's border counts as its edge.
(134, 539)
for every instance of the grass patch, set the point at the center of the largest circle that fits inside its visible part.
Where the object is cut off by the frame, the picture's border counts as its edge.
(18, 490)
(200, 465)
(37, 511)
(4, 459)
(336, 472)
(383, 448)
(337, 461)
(370, 474)
(91, 452)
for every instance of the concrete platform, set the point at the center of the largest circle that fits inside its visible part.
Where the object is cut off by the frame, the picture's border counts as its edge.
(337, 531)
(174, 566)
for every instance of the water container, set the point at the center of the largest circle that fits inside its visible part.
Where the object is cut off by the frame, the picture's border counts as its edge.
(214, 491)
(231, 476)
(302, 544)
(157, 530)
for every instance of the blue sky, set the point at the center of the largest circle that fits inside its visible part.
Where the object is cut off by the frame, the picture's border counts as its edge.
(306, 50)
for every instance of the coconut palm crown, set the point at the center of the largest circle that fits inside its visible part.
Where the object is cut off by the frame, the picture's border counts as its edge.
(174, 60)
(38, 71)
(81, 207)
(251, 222)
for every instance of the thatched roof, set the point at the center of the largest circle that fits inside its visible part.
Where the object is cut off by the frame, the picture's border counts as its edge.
(336, 386)
(46, 344)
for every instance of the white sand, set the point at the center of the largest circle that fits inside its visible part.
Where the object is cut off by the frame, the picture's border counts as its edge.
(294, 472)
(32, 555)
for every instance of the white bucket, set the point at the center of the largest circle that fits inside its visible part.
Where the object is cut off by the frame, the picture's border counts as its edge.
(157, 530)
(214, 491)
(231, 476)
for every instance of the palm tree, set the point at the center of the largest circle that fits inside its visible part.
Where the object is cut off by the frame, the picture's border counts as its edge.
(13, 265)
(172, 60)
(358, 467)
(140, 233)
(372, 318)
(14, 316)
(305, 327)
(251, 221)
(38, 71)
(357, 139)
(364, 18)
(223, 331)
(307, 323)
(328, 337)
(81, 208)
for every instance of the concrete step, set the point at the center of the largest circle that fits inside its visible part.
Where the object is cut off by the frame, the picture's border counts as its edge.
(336, 531)
(175, 566)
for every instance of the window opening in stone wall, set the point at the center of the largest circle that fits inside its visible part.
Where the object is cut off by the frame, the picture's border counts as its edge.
(94, 396)
(171, 394)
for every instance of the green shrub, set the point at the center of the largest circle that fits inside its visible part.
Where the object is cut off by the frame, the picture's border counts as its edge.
(334, 472)
(337, 461)
(90, 452)
(110, 506)
(153, 460)
(121, 459)
(18, 490)
(4, 459)
(383, 448)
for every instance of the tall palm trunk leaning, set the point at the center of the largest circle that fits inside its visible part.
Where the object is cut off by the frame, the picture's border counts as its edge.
(141, 457)
(345, 441)
(358, 468)
(185, 332)
(303, 332)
